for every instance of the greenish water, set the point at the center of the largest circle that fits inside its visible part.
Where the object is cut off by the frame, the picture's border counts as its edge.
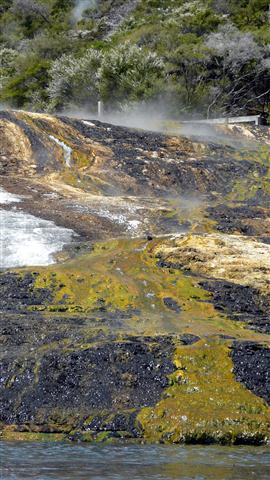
(96, 462)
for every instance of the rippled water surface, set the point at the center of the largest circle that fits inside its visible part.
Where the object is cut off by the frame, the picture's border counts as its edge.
(26, 240)
(95, 462)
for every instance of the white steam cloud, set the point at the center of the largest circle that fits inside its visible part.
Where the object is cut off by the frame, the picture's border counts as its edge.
(156, 117)
(80, 7)
(145, 115)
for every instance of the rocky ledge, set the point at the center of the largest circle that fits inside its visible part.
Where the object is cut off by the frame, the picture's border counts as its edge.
(153, 325)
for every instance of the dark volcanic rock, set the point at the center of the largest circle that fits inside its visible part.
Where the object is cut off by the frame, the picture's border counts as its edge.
(172, 304)
(120, 422)
(239, 218)
(18, 292)
(83, 351)
(252, 367)
(241, 303)
(264, 240)
(109, 377)
(143, 156)
(189, 339)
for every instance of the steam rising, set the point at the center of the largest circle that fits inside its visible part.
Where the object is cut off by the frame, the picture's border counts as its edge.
(146, 116)
(156, 117)
(80, 7)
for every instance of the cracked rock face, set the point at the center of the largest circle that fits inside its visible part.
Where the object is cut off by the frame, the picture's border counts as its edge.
(153, 323)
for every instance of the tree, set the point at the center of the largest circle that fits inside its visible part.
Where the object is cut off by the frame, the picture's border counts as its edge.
(188, 69)
(75, 80)
(240, 72)
(124, 74)
(8, 58)
(4, 6)
(31, 79)
(128, 74)
(249, 12)
(31, 8)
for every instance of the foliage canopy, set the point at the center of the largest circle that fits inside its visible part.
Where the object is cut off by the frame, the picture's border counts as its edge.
(206, 56)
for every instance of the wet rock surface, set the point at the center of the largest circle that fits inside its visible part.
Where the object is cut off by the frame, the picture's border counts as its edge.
(104, 377)
(18, 292)
(116, 424)
(248, 219)
(242, 303)
(160, 164)
(153, 324)
(252, 367)
(172, 304)
(44, 159)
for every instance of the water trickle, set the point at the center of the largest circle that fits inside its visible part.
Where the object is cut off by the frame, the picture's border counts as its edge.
(67, 150)
(89, 124)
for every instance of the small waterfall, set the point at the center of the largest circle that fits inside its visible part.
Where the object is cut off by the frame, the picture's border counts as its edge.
(67, 150)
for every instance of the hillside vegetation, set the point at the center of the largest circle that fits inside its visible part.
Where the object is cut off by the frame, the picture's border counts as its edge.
(206, 57)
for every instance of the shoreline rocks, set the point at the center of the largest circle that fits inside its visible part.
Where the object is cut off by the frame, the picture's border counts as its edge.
(157, 333)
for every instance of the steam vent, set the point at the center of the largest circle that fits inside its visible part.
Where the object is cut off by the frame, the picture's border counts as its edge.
(138, 309)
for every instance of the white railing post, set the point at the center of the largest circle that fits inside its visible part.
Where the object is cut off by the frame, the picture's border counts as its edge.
(100, 109)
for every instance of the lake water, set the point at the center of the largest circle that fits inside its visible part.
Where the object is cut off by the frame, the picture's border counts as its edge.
(60, 461)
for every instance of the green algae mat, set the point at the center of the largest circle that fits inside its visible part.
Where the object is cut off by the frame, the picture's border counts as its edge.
(153, 326)
(91, 366)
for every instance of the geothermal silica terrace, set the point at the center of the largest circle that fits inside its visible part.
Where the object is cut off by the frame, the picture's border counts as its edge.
(155, 331)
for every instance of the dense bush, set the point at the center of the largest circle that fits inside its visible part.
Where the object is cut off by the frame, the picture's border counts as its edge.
(128, 74)
(75, 80)
(120, 75)
(206, 56)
